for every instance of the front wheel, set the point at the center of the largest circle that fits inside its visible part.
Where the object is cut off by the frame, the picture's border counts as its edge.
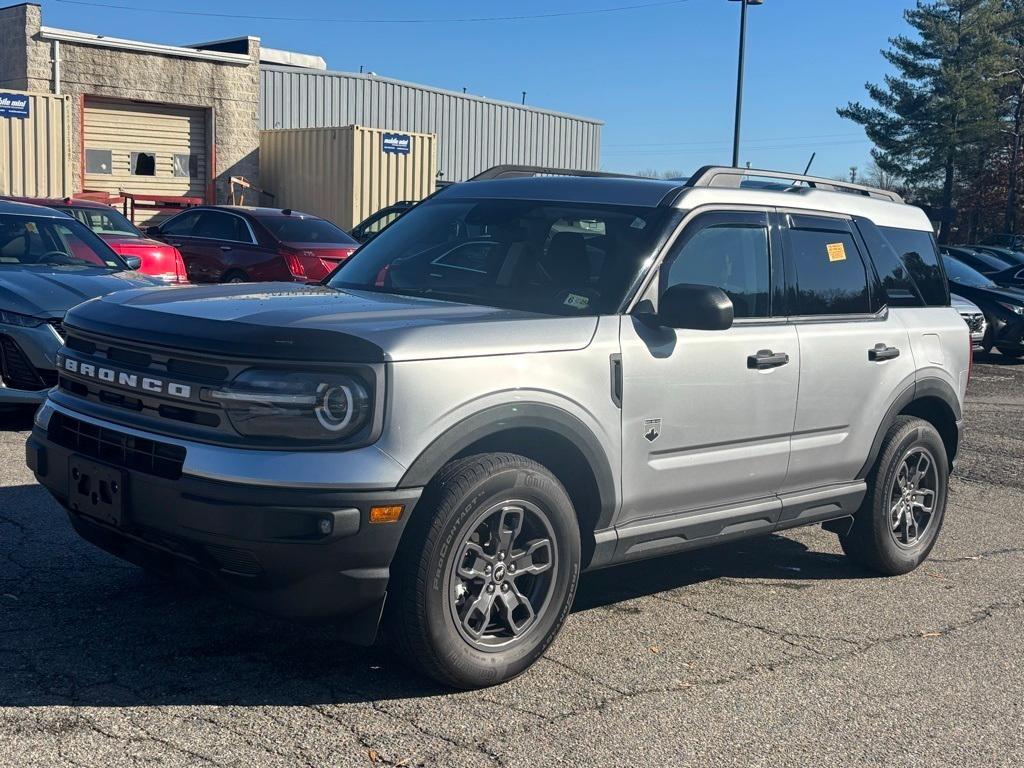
(899, 521)
(487, 572)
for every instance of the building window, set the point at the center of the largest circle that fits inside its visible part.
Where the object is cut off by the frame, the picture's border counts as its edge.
(143, 164)
(186, 166)
(97, 161)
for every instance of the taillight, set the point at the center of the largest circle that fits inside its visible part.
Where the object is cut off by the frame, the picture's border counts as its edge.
(180, 273)
(291, 258)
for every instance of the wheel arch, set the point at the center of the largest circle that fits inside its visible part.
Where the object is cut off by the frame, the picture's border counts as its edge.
(545, 433)
(930, 399)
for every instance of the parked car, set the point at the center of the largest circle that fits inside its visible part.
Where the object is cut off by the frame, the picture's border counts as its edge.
(974, 317)
(49, 262)
(463, 423)
(373, 224)
(1006, 254)
(978, 259)
(1003, 307)
(158, 260)
(234, 244)
(1016, 242)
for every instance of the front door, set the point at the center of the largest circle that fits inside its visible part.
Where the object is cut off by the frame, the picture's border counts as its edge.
(707, 416)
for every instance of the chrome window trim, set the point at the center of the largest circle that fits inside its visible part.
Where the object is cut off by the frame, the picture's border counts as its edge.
(252, 233)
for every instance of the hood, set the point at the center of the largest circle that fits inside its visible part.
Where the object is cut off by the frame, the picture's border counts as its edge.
(960, 304)
(48, 291)
(994, 293)
(312, 322)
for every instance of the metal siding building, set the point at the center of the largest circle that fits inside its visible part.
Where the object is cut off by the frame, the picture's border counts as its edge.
(473, 133)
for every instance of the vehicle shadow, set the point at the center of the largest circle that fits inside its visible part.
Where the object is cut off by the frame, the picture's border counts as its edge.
(79, 627)
(997, 358)
(16, 419)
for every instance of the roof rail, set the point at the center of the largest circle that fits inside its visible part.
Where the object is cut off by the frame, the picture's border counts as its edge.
(521, 171)
(726, 176)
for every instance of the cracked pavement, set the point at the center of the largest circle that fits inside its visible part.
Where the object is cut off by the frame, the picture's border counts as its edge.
(772, 651)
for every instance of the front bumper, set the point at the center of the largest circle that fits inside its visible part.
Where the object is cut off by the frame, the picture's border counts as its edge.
(262, 546)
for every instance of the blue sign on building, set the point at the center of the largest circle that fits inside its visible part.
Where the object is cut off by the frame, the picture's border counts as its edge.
(396, 143)
(16, 105)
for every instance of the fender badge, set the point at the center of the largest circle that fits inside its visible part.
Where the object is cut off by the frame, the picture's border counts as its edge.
(652, 428)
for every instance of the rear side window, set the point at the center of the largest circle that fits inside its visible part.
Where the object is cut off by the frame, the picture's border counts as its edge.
(897, 284)
(919, 255)
(830, 274)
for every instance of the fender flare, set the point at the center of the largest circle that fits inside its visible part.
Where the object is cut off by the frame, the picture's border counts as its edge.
(501, 418)
(929, 386)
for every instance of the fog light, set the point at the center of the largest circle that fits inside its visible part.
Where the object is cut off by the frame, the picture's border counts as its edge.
(326, 525)
(386, 514)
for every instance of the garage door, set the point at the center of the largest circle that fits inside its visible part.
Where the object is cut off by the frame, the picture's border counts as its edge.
(147, 149)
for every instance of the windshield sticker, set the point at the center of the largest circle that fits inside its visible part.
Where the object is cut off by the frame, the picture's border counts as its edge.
(31, 227)
(836, 252)
(576, 301)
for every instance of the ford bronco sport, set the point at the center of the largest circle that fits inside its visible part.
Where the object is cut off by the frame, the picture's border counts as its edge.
(522, 379)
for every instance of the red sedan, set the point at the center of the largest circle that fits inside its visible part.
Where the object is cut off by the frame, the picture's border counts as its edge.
(159, 260)
(235, 244)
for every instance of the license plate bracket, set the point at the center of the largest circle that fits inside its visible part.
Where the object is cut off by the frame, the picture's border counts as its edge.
(96, 490)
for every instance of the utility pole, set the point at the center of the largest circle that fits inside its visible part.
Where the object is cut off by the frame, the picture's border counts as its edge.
(739, 79)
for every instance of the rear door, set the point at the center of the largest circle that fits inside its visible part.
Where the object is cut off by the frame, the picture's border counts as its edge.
(855, 354)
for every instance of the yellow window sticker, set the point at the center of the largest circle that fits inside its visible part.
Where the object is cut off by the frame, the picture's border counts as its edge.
(31, 227)
(836, 252)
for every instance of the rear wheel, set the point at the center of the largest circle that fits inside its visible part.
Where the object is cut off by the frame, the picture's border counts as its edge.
(236, 276)
(900, 518)
(486, 574)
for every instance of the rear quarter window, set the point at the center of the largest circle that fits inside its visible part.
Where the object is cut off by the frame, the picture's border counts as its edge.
(919, 254)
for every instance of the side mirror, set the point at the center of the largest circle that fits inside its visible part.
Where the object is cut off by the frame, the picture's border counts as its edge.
(133, 262)
(153, 231)
(697, 307)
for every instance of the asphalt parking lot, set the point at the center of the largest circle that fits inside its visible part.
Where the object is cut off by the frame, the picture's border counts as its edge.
(775, 652)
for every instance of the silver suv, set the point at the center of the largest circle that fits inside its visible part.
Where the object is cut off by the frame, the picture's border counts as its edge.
(522, 379)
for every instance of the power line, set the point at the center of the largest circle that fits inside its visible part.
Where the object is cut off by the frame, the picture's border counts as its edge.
(727, 141)
(321, 20)
(695, 150)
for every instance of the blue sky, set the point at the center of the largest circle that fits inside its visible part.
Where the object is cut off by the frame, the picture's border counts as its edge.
(662, 78)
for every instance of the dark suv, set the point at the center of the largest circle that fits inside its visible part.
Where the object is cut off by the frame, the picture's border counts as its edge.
(232, 244)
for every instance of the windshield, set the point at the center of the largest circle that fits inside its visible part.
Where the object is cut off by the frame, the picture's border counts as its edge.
(104, 221)
(959, 272)
(995, 263)
(547, 257)
(53, 241)
(305, 231)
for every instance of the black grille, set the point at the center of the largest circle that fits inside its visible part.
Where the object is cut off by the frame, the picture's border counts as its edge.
(18, 372)
(975, 322)
(126, 451)
(58, 326)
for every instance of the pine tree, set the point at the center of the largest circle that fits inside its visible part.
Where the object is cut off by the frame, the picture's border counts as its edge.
(940, 111)
(1013, 103)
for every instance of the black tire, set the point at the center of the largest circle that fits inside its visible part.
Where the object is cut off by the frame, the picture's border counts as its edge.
(422, 611)
(235, 276)
(873, 540)
(1014, 352)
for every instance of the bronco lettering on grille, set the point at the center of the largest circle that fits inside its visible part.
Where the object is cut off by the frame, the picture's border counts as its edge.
(124, 379)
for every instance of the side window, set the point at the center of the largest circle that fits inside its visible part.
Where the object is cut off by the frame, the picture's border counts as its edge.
(897, 284)
(919, 255)
(183, 224)
(829, 272)
(217, 225)
(729, 251)
(383, 221)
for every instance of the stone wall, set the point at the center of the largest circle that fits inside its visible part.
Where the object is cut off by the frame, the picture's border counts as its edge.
(230, 90)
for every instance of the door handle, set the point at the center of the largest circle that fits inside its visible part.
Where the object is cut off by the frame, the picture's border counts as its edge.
(883, 352)
(765, 358)
(225, 247)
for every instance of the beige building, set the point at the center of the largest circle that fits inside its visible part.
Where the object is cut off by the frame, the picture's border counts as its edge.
(146, 118)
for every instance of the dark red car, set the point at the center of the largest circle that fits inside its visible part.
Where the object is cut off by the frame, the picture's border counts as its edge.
(159, 260)
(233, 244)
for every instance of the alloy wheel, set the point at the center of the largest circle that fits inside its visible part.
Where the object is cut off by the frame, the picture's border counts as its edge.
(502, 576)
(912, 497)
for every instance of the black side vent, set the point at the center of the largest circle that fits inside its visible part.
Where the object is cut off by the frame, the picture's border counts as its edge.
(17, 370)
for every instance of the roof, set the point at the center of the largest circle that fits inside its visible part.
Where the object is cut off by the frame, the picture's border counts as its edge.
(138, 46)
(581, 189)
(255, 210)
(429, 88)
(27, 209)
(62, 202)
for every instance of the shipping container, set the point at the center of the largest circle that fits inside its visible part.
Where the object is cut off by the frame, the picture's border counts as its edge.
(35, 144)
(473, 133)
(345, 174)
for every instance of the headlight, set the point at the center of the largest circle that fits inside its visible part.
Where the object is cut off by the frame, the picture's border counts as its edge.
(297, 406)
(14, 318)
(1017, 310)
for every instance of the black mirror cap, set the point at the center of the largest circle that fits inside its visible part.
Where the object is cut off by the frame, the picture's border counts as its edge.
(696, 307)
(153, 231)
(133, 262)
